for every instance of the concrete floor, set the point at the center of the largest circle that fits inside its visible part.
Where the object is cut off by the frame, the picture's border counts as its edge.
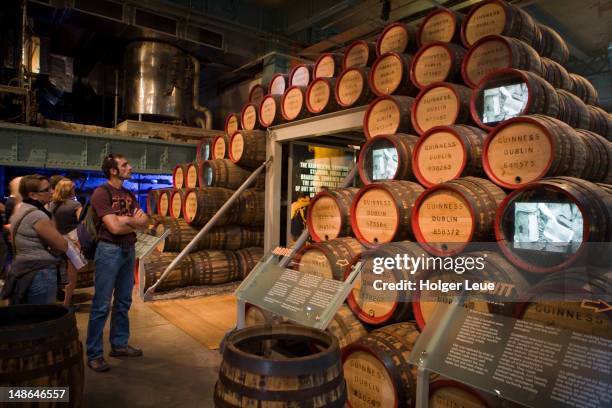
(175, 371)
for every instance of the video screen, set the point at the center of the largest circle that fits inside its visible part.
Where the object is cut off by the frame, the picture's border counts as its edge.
(384, 163)
(504, 102)
(550, 227)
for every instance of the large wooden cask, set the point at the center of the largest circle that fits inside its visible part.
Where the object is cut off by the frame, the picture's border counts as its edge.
(300, 75)
(573, 111)
(329, 214)
(381, 211)
(152, 200)
(397, 37)
(328, 65)
(163, 202)
(598, 157)
(270, 111)
(156, 263)
(278, 84)
(329, 259)
(250, 208)
(352, 87)
(448, 152)
(176, 203)
(247, 148)
(256, 94)
(178, 175)
(390, 74)
(441, 104)
(345, 327)
(222, 173)
(293, 103)
(248, 259)
(232, 124)
(584, 89)
(553, 46)
(437, 62)
(359, 54)
(387, 157)
(200, 205)
(445, 393)
(443, 25)
(220, 147)
(191, 179)
(320, 96)
(388, 115)
(600, 122)
(250, 375)
(556, 74)
(248, 116)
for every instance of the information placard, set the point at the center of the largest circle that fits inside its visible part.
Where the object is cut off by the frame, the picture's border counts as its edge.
(145, 243)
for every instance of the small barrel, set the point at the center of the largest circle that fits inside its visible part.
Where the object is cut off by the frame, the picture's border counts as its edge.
(527, 148)
(390, 74)
(359, 54)
(256, 94)
(345, 327)
(232, 124)
(320, 96)
(572, 110)
(329, 213)
(380, 212)
(250, 208)
(377, 370)
(508, 93)
(248, 148)
(300, 75)
(441, 104)
(278, 84)
(203, 150)
(220, 147)
(553, 223)
(443, 25)
(600, 122)
(584, 89)
(269, 111)
(152, 199)
(496, 17)
(449, 393)
(176, 203)
(222, 173)
(191, 179)
(387, 115)
(556, 75)
(437, 62)
(329, 259)
(352, 87)
(397, 37)
(248, 116)
(598, 157)
(304, 375)
(448, 152)
(163, 202)
(448, 216)
(387, 157)
(200, 205)
(247, 259)
(495, 52)
(553, 46)
(293, 103)
(178, 175)
(328, 65)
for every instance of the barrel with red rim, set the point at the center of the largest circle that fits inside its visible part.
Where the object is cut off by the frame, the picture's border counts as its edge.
(442, 25)
(328, 259)
(293, 103)
(553, 46)
(200, 205)
(301, 75)
(153, 199)
(390, 74)
(397, 37)
(359, 54)
(329, 214)
(572, 110)
(256, 94)
(437, 62)
(232, 123)
(387, 115)
(328, 65)
(178, 175)
(278, 84)
(387, 157)
(222, 173)
(352, 87)
(248, 116)
(163, 202)
(248, 148)
(220, 147)
(269, 111)
(203, 149)
(320, 96)
(176, 203)
(191, 178)
(441, 104)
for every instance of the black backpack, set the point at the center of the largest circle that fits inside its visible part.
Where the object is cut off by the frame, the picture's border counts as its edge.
(89, 227)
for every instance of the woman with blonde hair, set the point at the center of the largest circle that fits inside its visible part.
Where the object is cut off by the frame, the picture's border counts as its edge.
(14, 200)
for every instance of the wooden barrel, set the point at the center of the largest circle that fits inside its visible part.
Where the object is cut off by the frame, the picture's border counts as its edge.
(203, 150)
(345, 327)
(200, 205)
(377, 370)
(220, 148)
(448, 216)
(269, 111)
(437, 62)
(554, 223)
(300, 75)
(180, 234)
(303, 376)
(495, 52)
(293, 103)
(606, 187)
(250, 208)
(441, 104)
(600, 122)
(222, 173)
(496, 17)
(278, 84)
(448, 393)
(442, 25)
(247, 259)
(359, 54)
(156, 263)
(387, 157)
(256, 94)
(85, 276)
(191, 179)
(598, 157)
(152, 199)
(553, 46)
(320, 96)
(584, 89)
(572, 110)
(40, 347)
(232, 124)
(527, 148)
(213, 267)
(178, 175)
(352, 87)
(329, 213)
(248, 148)
(163, 202)
(328, 259)
(556, 74)
(448, 152)
(397, 37)
(390, 74)
(380, 212)
(508, 93)
(387, 115)
(176, 203)
(248, 116)
(328, 65)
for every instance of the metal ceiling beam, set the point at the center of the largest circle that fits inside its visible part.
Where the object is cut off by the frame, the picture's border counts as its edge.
(318, 17)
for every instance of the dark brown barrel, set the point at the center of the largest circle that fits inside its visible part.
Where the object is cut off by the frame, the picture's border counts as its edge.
(203, 149)
(200, 205)
(449, 393)
(248, 148)
(346, 327)
(572, 110)
(178, 175)
(496, 17)
(448, 152)
(278, 84)
(329, 214)
(495, 52)
(270, 111)
(359, 54)
(556, 74)
(40, 347)
(600, 122)
(220, 147)
(247, 259)
(442, 25)
(380, 212)
(387, 115)
(581, 232)
(387, 157)
(508, 93)
(527, 148)
(222, 173)
(377, 370)
(152, 199)
(606, 187)
(441, 104)
(328, 65)
(300, 75)
(397, 37)
(248, 116)
(232, 124)
(304, 376)
(293, 103)
(598, 157)
(191, 178)
(180, 234)
(156, 263)
(448, 216)
(320, 96)
(390, 74)
(437, 62)
(85, 276)
(584, 89)
(329, 259)
(176, 203)
(256, 94)
(163, 202)
(553, 46)
(250, 208)
(352, 87)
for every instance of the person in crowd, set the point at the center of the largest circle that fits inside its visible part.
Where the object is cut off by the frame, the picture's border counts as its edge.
(54, 179)
(120, 216)
(14, 199)
(37, 245)
(66, 211)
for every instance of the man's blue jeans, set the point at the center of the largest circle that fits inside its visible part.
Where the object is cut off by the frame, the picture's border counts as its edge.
(43, 288)
(114, 272)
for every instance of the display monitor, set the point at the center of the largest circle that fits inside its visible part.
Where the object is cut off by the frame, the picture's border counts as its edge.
(384, 163)
(504, 102)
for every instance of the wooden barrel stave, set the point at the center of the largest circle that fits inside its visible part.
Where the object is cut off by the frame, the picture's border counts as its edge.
(553, 46)
(200, 205)
(224, 173)
(248, 148)
(437, 62)
(600, 122)
(359, 54)
(346, 327)
(584, 89)
(397, 37)
(441, 104)
(598, 158)
(320, 96)
(353, 88)
(152, 199)
(387, 115)
(556, 75)
(247, 259)
(329, 259)
(390, 75)
(214, 267)
(293, 103)
(572, 110)
(328, 215)
(250, 208)
(403, 146)
(443, 25)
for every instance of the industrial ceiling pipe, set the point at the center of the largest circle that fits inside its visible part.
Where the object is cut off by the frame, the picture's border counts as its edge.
(196, 97)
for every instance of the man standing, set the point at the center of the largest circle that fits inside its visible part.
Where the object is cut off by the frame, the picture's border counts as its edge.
(119, 216)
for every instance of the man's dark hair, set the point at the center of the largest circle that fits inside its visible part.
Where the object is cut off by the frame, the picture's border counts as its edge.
(53, 180)
(110, 162)
(30, 184)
